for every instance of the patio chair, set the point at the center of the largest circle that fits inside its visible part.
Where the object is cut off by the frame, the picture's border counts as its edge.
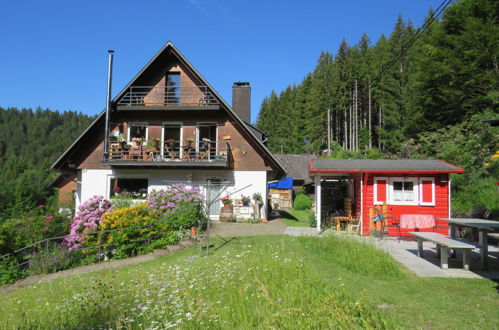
(382, 225)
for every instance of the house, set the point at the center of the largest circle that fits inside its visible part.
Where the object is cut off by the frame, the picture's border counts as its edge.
(168, 125)
(297, 168)
(407, 186)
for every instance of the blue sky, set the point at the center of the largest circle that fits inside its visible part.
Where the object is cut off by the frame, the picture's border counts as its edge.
(54, 53)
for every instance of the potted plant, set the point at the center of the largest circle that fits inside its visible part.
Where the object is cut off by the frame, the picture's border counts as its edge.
(227, 201)
(122, 141)
(227, 211)
(257, 198)
(137, 141)
(245, 200)
(258, 204)
(153, 143)
(189, 142)
(205, 143)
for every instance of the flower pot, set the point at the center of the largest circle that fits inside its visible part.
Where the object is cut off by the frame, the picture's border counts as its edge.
(226, 212)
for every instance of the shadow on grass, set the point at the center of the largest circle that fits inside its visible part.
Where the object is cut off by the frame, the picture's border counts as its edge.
(287, 215)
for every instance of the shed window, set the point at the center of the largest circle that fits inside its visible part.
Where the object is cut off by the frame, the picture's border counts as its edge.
(403, 191)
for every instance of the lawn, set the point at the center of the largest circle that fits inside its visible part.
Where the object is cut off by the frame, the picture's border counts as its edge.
(296, 218)
(258, 282)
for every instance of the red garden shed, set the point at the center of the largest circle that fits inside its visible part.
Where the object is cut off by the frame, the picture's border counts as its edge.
(410, 189)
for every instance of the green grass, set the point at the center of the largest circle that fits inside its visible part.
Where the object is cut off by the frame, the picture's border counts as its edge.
(258, 282)
(296, 218)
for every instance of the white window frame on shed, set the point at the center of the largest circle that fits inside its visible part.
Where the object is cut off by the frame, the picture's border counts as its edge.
(415, 190)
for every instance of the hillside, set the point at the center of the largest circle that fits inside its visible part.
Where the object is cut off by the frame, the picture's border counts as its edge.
(30, 141)
(417, 93)
(274, 282)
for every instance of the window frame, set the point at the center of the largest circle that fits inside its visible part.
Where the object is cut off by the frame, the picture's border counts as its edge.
(138, 123)
(110, 177)
(201, 124)
(415, 185)
(181, 142)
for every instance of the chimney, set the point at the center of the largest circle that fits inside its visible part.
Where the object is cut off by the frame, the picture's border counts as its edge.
(241, 97)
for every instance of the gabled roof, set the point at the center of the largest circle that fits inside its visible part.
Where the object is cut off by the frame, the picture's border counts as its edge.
(297, 165)
(382, 166)
(171, 49)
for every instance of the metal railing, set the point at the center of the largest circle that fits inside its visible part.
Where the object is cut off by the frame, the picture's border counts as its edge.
(168, 96)
(170, 150)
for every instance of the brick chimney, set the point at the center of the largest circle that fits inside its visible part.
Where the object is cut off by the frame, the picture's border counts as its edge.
(241, 98)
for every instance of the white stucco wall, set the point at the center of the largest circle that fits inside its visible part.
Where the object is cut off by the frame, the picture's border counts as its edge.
(97, 182)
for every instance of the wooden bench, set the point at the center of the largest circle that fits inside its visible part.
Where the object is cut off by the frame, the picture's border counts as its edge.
(444, 243)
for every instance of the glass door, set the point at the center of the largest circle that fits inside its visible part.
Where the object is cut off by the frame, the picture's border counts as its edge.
(212, 195)
(207, 139)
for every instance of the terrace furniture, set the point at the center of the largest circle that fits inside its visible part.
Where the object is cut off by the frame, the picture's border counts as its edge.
(419, 221)
(170, 151)
(483, 226)
(444, 243)
(381, 224)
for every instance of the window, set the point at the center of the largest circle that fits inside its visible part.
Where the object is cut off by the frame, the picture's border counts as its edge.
(172, 137)
(173, 87)
(135, 188)
(403, 191)
(207, 138)
(137, 131)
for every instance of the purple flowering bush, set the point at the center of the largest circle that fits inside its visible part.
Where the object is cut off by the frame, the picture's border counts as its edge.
(179, 206)
(87, 220)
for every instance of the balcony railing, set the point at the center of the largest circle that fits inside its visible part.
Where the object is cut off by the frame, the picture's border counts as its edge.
(168, 96)
(168, 153)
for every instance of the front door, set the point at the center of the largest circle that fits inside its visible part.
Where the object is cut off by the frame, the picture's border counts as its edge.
(212, 195)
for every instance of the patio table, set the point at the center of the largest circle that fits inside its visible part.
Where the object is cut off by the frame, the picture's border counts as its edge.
(484, 226)
(417, 221)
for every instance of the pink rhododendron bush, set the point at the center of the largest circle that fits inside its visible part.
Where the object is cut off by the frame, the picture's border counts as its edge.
(87, 219)
(179, 206)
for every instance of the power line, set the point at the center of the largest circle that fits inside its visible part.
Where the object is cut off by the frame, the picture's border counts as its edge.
(408, 44)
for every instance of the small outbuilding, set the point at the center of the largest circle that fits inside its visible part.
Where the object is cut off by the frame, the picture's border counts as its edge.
(406, 188)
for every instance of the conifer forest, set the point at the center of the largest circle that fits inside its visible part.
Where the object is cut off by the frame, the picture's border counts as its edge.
(420, 92)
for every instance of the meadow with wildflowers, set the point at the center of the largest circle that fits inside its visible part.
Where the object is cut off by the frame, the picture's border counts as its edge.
(256, 282)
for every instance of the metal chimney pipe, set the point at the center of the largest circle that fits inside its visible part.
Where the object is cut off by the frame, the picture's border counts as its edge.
(108, 102)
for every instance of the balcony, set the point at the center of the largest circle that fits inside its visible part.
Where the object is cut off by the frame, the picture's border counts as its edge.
(168, 98)
(168, 154)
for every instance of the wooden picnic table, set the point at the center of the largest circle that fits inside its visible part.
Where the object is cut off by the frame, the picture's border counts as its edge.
(483, 226)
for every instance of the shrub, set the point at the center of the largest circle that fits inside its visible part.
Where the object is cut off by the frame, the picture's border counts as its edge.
(165, 201)
(87, 220)
(38, 224)
(56, 259)
(120, 201)
(311, 219)
(302, 202)
(140, 231)
(9, 273)
(187, 215)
